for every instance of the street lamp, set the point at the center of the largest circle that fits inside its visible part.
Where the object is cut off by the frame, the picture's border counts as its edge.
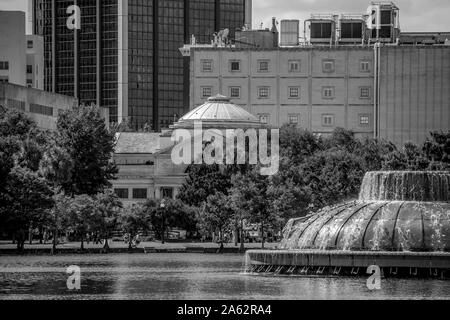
(162, 206)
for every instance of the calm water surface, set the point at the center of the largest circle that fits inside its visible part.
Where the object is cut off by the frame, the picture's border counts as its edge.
(186, 276)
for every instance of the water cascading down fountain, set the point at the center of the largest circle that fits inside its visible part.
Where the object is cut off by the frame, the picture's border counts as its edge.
(400, 223)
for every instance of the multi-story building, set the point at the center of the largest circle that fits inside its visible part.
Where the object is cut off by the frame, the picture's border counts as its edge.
(21, 55)
(146, 166)
(146, 170)
(317, 88)
(41, 106)
(357, 72)
(12, 47)
(125, 56)
(35, 62)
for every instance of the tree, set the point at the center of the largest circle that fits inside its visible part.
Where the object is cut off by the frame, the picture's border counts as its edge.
(332, 176)
(249, 194)
(58, 218)
(167, 213)
(296, 144)
(9, 146)
(81, 213)
(82, 133)
(28, 199)
(133, 220)
(203, 181)
(218, 215)
(56, 166)
(373, 152)
(105, 215)
(437, 149)
(15, 123)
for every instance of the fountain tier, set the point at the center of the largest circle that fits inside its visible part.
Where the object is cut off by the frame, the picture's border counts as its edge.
(402, 218)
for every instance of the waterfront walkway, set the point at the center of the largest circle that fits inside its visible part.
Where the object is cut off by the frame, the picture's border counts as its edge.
(7, 247)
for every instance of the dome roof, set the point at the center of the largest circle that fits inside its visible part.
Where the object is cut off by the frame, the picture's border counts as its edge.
(218, 112)
(397, 211)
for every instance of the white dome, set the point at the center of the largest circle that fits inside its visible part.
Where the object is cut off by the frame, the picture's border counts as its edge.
(218, 112)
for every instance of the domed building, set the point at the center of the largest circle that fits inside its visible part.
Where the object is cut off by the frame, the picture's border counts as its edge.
(218, 112)
(146, 169)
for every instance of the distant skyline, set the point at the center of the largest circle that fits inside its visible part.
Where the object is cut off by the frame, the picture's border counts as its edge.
(415, 15)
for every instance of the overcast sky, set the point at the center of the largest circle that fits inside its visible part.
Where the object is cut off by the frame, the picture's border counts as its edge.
(415, 15)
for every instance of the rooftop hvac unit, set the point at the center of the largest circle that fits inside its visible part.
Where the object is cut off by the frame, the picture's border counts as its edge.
(352, 29)
(322, 28)
(383, 20)
(290, 33)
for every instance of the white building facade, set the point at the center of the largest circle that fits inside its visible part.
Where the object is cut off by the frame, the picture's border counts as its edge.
(316, 88)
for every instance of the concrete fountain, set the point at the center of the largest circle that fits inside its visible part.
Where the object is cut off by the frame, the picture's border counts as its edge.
(401, 223)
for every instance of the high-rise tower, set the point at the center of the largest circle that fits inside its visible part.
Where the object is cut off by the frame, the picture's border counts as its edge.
(125, 56)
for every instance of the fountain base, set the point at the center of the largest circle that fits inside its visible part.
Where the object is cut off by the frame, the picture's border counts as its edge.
(349, 263)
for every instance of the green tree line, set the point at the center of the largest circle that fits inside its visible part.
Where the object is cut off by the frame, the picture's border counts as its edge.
(59, 182)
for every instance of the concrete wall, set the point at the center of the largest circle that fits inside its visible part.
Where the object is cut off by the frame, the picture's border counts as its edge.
(19, 97)
(13, 46)
(414, 92)
(346, 79)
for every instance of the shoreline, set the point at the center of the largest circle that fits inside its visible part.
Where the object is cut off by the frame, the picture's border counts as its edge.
(74, 249)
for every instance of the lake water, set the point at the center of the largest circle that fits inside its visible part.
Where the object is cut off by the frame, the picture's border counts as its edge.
(186, 276)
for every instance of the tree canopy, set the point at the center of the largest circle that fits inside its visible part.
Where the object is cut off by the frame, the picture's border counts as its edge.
(83, 135)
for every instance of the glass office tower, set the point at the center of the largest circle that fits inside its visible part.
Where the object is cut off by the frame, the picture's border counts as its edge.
(126, 57)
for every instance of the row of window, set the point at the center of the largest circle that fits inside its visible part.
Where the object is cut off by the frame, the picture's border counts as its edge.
(328, 92)
(328, 120)
(4, 65)
(141, 193)
(328, 66)
(40, 109)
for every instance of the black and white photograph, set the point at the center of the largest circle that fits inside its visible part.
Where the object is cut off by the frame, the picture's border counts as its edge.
(235, 151)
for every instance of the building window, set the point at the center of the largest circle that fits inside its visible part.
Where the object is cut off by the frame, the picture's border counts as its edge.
(328, 66)
(235, 66)
(364, 120)
(206, 92)
(167, 193)
(139, 193)
(30, 44)
(263, 66)
(29, 68)
(29, 83)
(4, 65)
(235, 92)
(264, 118)
(4, 79)
(294, 92)
(263, 92)
(207, 66)
(328, 92)
(365, 66)
(40, 109)
(364, 92)
(328, 120)
(294, 119)
(294, 66)
(16, 104)
(121, 193)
